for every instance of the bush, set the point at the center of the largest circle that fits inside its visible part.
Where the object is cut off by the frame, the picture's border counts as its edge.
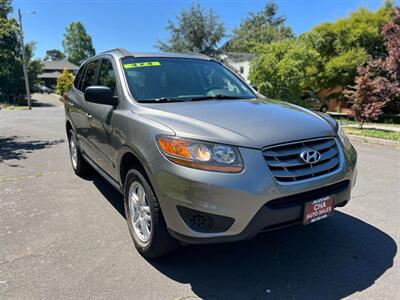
(378, 83)
(64, 82)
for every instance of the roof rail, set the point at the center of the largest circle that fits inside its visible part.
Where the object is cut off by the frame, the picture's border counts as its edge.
(198, 54)
(123, 51)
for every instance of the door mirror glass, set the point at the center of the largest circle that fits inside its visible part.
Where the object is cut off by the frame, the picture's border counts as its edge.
(100, 95)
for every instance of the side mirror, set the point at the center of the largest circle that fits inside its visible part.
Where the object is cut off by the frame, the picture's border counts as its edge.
(100, 95)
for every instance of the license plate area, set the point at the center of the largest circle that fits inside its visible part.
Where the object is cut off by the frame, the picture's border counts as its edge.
(318, 209)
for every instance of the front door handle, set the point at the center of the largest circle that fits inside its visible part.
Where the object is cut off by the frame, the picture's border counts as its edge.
(89, 116)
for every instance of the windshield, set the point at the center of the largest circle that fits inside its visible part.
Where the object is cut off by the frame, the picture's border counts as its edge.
(155, 79)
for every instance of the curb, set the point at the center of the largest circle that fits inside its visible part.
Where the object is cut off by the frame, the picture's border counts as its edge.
(374, 141)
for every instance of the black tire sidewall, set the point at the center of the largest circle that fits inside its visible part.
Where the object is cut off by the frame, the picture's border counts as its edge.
(81, 164)
(132, 176)
(160, 242)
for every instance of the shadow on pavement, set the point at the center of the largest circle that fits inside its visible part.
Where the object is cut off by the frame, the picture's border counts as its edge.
(14, 147)
(331, 259)
(109, 192)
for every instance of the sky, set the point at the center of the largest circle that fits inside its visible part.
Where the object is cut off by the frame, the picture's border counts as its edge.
(137, 25)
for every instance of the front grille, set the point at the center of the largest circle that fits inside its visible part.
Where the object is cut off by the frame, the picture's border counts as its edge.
(286, 165)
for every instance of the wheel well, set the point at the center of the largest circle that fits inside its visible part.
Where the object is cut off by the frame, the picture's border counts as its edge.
(128, 162)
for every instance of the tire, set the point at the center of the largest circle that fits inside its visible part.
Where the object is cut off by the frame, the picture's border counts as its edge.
(159, 242)
(79, 164)
(324, 109)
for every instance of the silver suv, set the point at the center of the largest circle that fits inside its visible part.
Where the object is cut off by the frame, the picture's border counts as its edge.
(199, 155)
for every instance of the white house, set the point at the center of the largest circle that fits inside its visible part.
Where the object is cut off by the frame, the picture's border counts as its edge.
(239, 62)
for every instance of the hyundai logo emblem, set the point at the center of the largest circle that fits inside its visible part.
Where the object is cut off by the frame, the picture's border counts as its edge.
(310, 156)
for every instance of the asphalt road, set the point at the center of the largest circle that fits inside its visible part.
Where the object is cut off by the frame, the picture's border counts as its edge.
(62, 236)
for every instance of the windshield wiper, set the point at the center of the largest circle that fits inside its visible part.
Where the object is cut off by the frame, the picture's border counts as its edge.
(218, 97)
(163, 100)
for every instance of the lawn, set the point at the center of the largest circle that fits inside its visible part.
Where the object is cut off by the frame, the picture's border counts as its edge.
(376, 133)
(12, 107)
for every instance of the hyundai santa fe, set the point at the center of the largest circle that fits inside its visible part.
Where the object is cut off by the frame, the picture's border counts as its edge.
(198, 154)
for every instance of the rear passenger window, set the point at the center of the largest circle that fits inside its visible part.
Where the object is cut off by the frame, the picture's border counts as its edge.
(77, 81)
(107, 76)
(90, 75)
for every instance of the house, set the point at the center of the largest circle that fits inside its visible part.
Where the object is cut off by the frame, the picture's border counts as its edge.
(239, 62)
(51, 70)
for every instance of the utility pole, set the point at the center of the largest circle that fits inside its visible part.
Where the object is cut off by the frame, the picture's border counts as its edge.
(24, 62)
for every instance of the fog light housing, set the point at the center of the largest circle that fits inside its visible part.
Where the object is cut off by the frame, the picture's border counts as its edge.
(204, 222)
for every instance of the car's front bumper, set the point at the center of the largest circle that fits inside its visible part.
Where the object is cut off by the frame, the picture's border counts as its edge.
(253, 199)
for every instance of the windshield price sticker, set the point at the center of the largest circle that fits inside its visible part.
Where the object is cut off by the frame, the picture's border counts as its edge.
(142, 64)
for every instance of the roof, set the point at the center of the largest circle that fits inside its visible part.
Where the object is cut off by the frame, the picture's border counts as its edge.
(58, 65)
(55, 74)
(123, 52)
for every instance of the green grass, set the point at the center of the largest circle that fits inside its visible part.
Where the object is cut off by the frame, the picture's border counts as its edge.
(375, 133)
(13, 107)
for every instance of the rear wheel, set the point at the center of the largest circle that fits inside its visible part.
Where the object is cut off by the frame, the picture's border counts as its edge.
(145, 221)
(79, 164)
(324, 109)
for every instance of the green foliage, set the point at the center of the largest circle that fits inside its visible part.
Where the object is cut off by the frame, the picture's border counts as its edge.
(77, 43)
(5, 8)
(325, 57)
(11, 74)
(54, 55)
(10, 58)
(341, 69)
(262, 27)
(34, 66)
(378, 83)
(196, 30)
(346, 44)
(283, 69)
(64, 82)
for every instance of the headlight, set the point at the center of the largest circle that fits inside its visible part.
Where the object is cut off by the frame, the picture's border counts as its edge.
(342, 136)
(201, 155)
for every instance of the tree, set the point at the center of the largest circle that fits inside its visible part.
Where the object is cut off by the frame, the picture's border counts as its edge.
(326, 57)
(77, 43)
(54, 55)
(346, 44)
(10, 59)
(378, 83)
(64, 82)
(283, 69)
(11, 75)
(196, 30)
(263, 27)
(5, 8)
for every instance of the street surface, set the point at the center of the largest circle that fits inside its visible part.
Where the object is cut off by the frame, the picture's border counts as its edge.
(64, 237)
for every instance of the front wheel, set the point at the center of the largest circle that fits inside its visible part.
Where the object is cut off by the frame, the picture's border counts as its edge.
(145, 221)
(324, 108)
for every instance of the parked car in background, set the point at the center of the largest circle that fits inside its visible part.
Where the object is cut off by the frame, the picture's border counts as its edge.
(311, 101)
(42, 89)
(199, 155)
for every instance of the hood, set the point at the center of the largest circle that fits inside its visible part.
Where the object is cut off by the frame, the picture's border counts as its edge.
(246, 123)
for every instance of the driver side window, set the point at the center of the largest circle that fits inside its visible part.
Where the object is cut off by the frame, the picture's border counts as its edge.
(107, 76)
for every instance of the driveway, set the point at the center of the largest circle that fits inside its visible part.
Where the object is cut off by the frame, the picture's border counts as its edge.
(62, 236)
